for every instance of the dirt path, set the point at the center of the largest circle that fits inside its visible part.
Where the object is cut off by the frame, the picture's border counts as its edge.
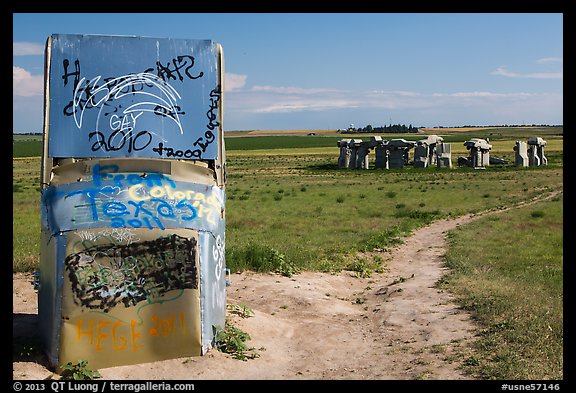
(393, 325)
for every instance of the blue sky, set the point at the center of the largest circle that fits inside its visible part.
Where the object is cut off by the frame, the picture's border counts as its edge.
(326, 71)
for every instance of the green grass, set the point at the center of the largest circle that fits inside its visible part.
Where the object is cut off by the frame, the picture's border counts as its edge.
(279, 142)
(498, 133)
(507, 271)
(231, 339)
(78, 371)
(26, 214)
(27, 148)
(340, 212)
(345, 211)
(260, 258)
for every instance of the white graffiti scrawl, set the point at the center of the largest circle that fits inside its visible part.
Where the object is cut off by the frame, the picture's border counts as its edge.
(88, 94)
(120, 235)
(218, 254)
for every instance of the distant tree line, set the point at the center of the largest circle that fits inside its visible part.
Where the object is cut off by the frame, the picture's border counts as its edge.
(503, 125)
(389, 129)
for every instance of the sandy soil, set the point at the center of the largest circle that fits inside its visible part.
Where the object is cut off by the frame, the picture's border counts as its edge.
(395, 325)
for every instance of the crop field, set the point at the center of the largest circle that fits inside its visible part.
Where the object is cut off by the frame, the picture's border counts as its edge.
(502, 141)
(523, 131)
(282, 132)
(289, 209)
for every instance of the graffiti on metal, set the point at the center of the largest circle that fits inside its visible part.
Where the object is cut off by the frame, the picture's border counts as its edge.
(130, 335)
(131, 290)
(105, 275)
(132, 200)
(212, 276)
(133, 97)
(143, 200)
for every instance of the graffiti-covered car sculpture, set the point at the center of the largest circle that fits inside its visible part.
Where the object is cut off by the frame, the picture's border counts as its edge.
(132, 265)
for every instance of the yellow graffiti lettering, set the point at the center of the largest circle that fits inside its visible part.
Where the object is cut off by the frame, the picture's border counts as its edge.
(168, 192)
(100, 336)
(164, 325)
(119, 335)
(200, 197)
(200, 201)
(89, 333)
(213, 201)
(135, 335)
(134, 195)
(154, 329)
(205, 211)
(116, 339)
(167, 325)
(157, 192)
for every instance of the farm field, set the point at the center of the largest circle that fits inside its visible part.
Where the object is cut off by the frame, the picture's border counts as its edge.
(291, 211)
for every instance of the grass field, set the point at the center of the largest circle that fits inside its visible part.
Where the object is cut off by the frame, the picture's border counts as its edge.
(289, 208)
(26, 213)
(514, 288)
(314, 214)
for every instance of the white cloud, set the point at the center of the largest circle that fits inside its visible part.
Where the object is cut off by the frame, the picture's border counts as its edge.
(27, 48)
(283, 99)
(503, 71)
(25, 84)
(549, 60)
(484, 99)
(234, 82)
(396, 92)
(261, 100)
(305, 105)
(294, 90)
(487, 94)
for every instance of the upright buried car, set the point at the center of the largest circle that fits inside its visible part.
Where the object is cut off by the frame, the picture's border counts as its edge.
(132, 265)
